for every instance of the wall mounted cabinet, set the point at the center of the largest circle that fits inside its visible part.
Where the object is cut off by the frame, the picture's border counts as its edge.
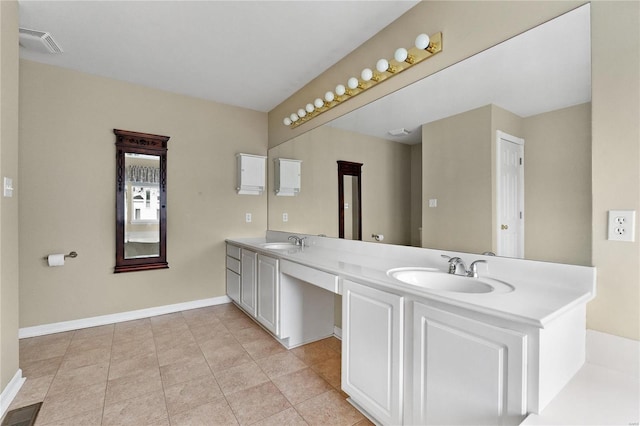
(287, 176)
(251, 174)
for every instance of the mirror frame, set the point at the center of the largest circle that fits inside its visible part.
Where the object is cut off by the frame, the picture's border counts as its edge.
(140, 143)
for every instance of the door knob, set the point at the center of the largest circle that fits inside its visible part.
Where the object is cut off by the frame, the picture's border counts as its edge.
(503, 227)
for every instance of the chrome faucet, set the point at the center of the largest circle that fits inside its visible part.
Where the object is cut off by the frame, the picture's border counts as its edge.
(454, 262)
(299, 241)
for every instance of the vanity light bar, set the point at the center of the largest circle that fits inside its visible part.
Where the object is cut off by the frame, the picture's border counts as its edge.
(424, 47)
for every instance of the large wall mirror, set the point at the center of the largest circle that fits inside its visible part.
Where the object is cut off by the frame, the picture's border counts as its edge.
(141, 197)
(436, 184)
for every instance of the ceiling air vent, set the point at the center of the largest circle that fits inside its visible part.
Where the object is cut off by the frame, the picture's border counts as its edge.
(38, 41)
(399, 132)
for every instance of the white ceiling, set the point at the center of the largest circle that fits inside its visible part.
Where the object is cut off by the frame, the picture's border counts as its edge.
(252, 54)
(543, 69)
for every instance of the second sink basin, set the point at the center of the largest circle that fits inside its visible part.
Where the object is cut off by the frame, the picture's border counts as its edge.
(434, 279)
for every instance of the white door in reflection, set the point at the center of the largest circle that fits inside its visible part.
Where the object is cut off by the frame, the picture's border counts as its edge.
(510, 195)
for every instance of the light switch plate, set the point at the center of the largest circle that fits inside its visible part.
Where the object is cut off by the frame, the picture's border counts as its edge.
(622, 225)
(8, 187)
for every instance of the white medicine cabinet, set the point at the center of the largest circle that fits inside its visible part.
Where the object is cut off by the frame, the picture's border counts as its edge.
(287, 176)
(251, 174)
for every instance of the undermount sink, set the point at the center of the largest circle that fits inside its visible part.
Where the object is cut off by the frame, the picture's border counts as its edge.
(279, 246)
(434, 279)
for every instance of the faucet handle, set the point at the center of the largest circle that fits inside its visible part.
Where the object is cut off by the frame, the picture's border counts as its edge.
(473, 268)
(453, 263)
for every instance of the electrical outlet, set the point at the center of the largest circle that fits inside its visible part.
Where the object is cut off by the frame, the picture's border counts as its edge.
(622, 225)
(285, 217)
(433, 202)
(247, 218)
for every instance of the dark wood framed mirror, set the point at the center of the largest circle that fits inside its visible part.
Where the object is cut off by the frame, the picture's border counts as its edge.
(141, 201)
(349, 200)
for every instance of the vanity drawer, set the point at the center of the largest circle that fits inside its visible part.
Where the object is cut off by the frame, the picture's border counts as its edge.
(233, 251)
(233, 264)
(313, 276)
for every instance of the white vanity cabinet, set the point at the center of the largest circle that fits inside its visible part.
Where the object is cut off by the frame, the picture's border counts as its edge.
(233, 272)
(248, 282)
(268, 295)
(372, 350)
(466, 372)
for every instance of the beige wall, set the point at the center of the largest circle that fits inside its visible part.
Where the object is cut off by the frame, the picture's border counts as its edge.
(67, 176)
(386, 184)
(416, 195)
(9, 206)
(470, 27)
(456, 161)
(558, 185)
(615, 29)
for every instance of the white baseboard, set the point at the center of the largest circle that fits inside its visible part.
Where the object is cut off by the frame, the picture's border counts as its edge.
(337, 331)
(58, 327)
(613, 352)
(10, 392)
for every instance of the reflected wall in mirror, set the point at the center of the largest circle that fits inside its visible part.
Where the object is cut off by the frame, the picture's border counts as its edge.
(436, 186)
(141, 193)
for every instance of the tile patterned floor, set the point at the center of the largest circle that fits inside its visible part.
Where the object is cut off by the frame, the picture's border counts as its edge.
(208, 366)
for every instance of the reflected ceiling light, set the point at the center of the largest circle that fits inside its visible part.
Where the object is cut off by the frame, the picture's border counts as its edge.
(425, 46)
(366, 74)
(329, 97)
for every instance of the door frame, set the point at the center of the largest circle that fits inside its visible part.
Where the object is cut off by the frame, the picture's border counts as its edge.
(500, 135)
(348, 168)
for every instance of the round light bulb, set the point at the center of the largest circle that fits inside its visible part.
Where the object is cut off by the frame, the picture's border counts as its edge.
(352, 83)
(287, 121)
(319, 103)
(401, 54)
(422, 41)
(382, 65)
(329, 97)
(301, 113)
(340, 90)
(366, 74)
(310, 108)
(294, 117)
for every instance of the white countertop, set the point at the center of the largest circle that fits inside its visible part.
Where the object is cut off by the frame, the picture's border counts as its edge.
(543, 291)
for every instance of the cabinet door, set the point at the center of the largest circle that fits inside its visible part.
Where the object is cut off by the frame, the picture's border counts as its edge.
(466, 372)
(233, 286)
(268, 293)
(372, 355)
(248, 281)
